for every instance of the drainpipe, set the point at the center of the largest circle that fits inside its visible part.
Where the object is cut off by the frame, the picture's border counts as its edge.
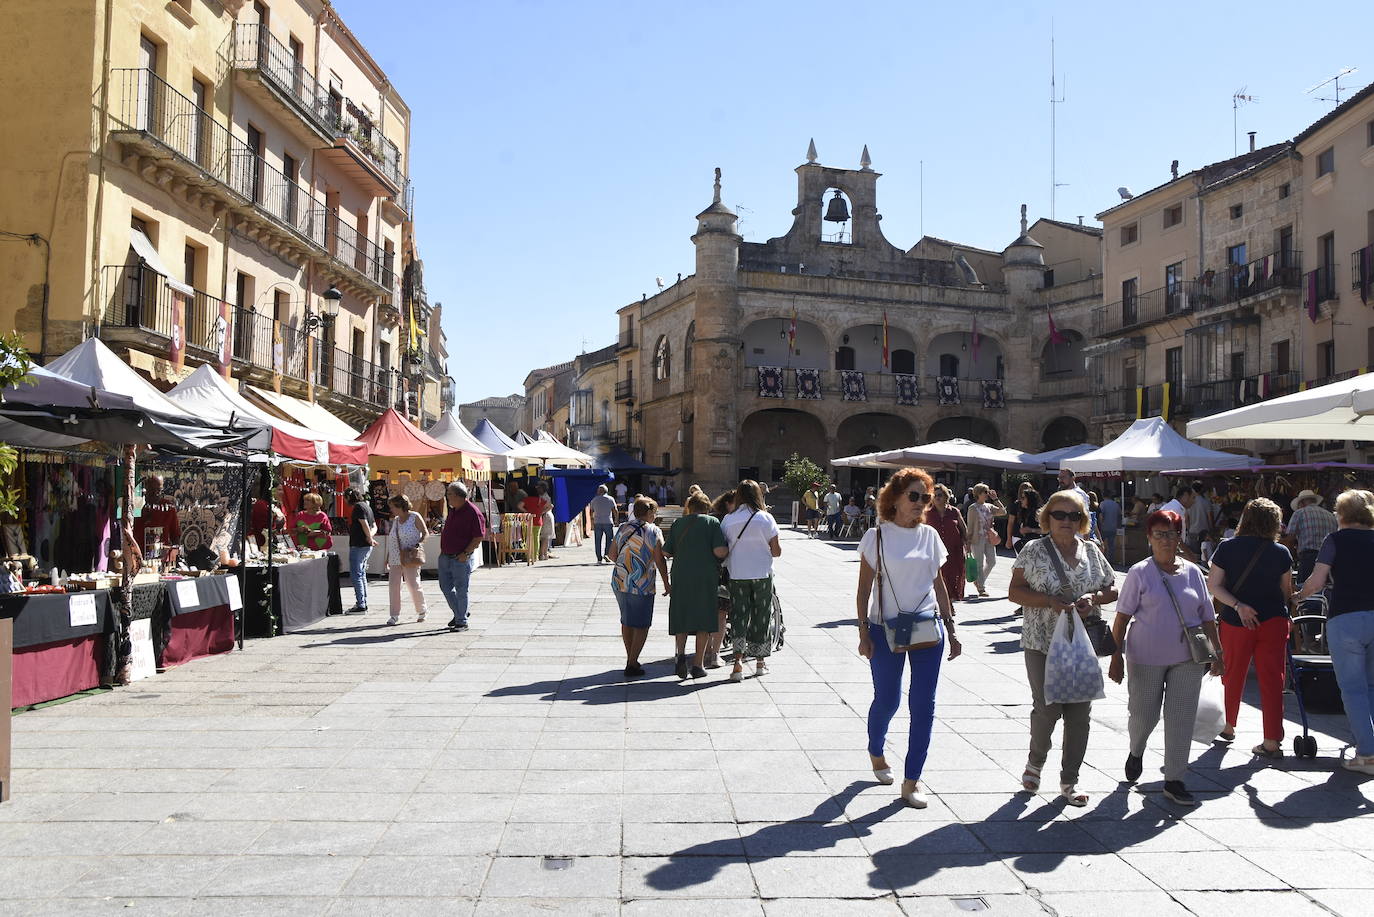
(99, 216)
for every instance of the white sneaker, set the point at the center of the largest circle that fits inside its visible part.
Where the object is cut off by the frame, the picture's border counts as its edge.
(917, 797)
(1360, 765)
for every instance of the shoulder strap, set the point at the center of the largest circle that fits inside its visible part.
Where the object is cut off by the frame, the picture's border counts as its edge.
(1254, 559)
(1058, 562)
(1172, 599)
(731, 548)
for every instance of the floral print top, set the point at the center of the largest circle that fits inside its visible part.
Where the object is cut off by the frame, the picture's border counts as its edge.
(1089, 572)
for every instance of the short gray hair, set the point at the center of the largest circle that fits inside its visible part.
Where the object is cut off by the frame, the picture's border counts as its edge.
(459, 488)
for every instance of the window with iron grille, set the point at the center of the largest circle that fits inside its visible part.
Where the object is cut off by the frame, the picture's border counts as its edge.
(1173, 368)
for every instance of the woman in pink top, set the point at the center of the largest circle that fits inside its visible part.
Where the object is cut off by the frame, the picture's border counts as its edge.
(1157, 592)
(312, 526)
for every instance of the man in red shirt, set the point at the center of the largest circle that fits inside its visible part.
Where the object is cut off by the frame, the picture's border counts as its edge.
(158, 523)
(464, 529)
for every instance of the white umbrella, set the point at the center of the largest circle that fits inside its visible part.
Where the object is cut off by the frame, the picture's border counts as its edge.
(1152, 445)
(1340, 410)
(1056, 457)
(865, 460)
(956, 453)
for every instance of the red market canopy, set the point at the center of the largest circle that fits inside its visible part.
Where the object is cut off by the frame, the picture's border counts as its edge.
(400, 446)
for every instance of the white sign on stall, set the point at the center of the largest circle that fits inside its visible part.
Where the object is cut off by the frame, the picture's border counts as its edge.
(187, 594)
(235, 598)
(142, 664)
(81, 609)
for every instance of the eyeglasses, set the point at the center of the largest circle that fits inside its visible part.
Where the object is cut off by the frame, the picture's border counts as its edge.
(1059, 515)
(1166, 535)
(917, 496)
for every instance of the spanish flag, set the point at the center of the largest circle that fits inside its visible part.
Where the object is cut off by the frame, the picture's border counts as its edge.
(792, 334)
(885, 350)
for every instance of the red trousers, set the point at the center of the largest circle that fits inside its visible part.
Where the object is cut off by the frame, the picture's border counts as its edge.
(1265, 645)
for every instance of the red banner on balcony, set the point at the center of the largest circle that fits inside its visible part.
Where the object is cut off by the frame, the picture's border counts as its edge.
(224, 336)
(176, 344)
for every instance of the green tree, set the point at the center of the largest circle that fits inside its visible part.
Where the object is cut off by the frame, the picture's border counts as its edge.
(799, 473)
(14, 368)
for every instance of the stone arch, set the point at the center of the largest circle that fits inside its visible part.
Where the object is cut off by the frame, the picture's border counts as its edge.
(1063, 431)
(663, 359)
(1064, 359)
(873, 431)
(836, 233)
(866, 340)
(766, 343)
(770, 435)
(954, 350)
(975, 429)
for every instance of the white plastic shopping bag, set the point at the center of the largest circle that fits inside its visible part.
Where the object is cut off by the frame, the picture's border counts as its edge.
(1211, 711)
(1072, 673)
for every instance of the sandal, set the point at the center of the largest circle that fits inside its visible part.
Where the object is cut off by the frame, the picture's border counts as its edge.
(1259, 751)
(1072, 796)
(1030, 779)
(760, 670)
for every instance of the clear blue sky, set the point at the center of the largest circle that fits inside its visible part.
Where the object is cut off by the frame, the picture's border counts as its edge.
(561, 149)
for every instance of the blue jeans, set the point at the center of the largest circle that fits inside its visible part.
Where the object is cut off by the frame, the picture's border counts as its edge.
(1109, 542)
(453, 584)
(602, 530)
(357, 571)
(886, 667)
(1351, 638)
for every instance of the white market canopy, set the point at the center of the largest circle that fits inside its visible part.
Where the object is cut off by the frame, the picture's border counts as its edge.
(958, 453)
(92, 363)
(1053, 459)
(302, 412)
(1152, 445)
(863, 460)
(451, 431)
(1340, 410)
(551, 452)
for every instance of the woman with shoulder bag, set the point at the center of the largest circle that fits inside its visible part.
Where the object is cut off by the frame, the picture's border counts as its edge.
(1251, 581)
(695, 544)
(982, 534)
(1056, 575)
(904, 614)
(1172, 639)
(636, 552)
(405, 555)
(751, 536)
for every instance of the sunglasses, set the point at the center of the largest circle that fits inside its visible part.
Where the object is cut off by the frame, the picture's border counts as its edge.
(1166, 535)
(916, 496)
(1060, 515)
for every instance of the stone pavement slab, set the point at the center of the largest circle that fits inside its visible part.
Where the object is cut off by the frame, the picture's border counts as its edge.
(363, 769)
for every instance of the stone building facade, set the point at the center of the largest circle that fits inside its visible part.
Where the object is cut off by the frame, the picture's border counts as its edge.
(778, 347)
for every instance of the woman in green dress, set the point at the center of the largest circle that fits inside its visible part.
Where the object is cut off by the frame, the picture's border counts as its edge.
(694, 543)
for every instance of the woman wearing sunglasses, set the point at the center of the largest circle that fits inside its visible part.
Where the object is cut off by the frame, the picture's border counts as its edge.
(982, 512)
(1157, 592)
(899, 571)
(1063, 573)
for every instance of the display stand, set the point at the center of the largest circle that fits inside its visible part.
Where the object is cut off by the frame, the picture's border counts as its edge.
(517, 538)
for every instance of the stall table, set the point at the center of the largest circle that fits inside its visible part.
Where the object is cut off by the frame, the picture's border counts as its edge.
(61, 644)
(303, 593)
(6, 651)
(199, 618)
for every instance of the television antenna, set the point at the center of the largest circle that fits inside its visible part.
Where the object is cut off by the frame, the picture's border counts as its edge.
(1056, 99)
(1345, 71)
(1238, 98)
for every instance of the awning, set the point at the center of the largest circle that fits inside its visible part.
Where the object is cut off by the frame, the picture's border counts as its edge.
(957, 453)
(1339, 410)
(300, 411)
(144, 248)
(398, 446)
(1152, 445)
(618, 460)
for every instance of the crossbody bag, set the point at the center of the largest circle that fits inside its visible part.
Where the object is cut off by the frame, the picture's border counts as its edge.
(1245, 574)
(1199, 644)
(910, 630)
(1099, 634)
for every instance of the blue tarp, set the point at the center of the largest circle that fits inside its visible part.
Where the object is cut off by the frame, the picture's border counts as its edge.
(618, 459)
(573, 489)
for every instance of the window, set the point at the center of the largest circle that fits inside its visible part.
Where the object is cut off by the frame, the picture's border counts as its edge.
(1326, 358)
(1369, 139)
(1281, 357)
(1174, 299)
(1129, 289)
(662, 360)
(1130, 234)
(1326, 161)
(1238, 365)
(1049, 278)
(1173, 368)
(844, 358)
(148, 58)
(949, 365)
(667, 460)
(580, 408)
(297, 51)
(1237, 210)
(1326, 267)
(242, 294)
(189, 259)
(904, 361)
(200, 122)
(291, 169)
(1235, 269)
(255, 164)
(281, 306)
(1173, 215)
(687, 349)
(1285, 189)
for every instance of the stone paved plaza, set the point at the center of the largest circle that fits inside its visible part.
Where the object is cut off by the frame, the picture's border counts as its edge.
(361, 769)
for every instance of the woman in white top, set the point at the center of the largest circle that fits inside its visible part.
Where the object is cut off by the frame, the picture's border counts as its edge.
(981, 513)
(907, 570)
(751, 535)
(408, 530)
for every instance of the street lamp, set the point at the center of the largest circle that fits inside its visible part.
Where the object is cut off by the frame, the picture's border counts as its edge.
(326, 318)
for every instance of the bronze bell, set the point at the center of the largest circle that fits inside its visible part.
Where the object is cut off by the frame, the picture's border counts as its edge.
(837, 211)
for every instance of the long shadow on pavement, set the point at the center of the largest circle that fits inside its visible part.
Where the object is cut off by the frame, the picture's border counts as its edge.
(605, 688)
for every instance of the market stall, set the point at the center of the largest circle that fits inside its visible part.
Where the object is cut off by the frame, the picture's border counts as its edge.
(200, 619)
(62, 644)
(289, 597)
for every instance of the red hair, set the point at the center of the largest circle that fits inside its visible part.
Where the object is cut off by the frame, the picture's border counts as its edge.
(896, 486)
(1164, 517)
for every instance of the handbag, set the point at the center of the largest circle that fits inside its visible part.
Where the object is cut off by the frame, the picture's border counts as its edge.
(1243, 576)
(1199, 644)
(411, 557)
(1099, 634)
(910, 630)
(971, 568)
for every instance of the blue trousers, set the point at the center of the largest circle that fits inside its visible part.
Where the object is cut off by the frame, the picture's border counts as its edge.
(886, 667)
(599, 531)
(453, 585)
(1351, 638)
(357, 571)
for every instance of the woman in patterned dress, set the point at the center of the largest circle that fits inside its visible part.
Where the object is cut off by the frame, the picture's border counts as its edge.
(637, 551)
(949, 522)
(751, 535)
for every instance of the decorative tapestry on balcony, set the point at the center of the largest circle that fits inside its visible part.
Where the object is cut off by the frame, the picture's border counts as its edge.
(770, 381)
(808, 384)
(908, 389)
(852, 385)
(993, 395)
(948, 389)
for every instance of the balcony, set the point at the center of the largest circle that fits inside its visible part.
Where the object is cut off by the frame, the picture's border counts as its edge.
(1240, 282)
(1145, 308)
(362, 153)
(1063, 385)
(1201, 399)
(626, 341)
(274, 77)
(880, 388)
(350, 377)
(137, 303)
(1334, 377)
(625, 390)
(355, 253)
(1358, 265)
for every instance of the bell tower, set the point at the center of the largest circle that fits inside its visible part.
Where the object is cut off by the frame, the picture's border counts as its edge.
(716, 355)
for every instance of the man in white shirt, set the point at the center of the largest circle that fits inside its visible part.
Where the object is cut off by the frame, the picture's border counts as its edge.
(833, 502)
(1199, 519)
(1183, 498)
(621, 491)
(603, 522)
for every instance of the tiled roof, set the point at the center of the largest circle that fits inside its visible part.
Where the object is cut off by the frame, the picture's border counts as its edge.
(1077, 227)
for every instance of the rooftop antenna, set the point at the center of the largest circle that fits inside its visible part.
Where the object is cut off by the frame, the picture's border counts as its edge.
(1345, 71)
(1056, 99)
(1238, 98)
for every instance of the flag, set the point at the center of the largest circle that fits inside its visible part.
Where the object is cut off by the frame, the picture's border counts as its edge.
(1311, 295)
(1164, 403)
(1139, 402)
(885, 350)
(414, 330)
(792, 334)
(976, 339)
(277, 356)
(176, 342)
(1055, 336)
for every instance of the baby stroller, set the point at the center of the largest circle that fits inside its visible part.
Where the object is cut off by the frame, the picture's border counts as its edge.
(1310, 672)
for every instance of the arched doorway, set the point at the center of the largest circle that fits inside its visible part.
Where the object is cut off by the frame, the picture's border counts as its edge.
(1062, 432)
(954, 354)
(766, 344)
(974, 429)
(869, 432)
(768, 437)
(1064, 359)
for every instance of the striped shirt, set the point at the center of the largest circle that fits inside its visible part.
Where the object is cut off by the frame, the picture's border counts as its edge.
(1310, 525)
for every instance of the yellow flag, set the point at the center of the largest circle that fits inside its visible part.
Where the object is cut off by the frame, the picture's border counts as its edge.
(1139, 402)
(1164, 412)
(414, 330)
